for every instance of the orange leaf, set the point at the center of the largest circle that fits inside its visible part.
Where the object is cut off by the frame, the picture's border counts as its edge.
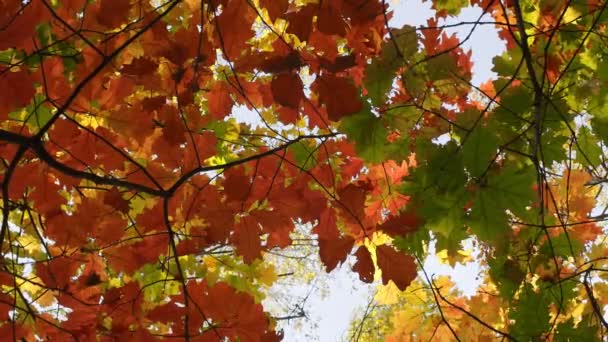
(396, 266)
(219, 101)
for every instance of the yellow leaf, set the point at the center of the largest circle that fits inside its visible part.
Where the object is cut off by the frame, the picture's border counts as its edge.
(387, 294)
(267, 275)
(46, 299)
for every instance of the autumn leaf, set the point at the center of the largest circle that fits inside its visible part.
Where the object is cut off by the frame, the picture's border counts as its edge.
(364, 265)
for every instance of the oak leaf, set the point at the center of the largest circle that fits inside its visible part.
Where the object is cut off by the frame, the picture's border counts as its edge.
(364, 265)
(334, 251)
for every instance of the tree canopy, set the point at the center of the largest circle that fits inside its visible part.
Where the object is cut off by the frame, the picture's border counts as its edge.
(159, 156)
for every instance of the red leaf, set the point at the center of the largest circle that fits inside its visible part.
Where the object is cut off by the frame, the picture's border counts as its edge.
(233, 38)
(288, 115)
(341, 63)
(340, 96)
(282, 64)
(113, 13)
(140, 66)
(246, 239)
(238, 315)
(277, 226)
(114, 199)
(236, 185)
(329, 21)
(396, 266)
(287, 90)
(275, 8)
(326, 228)
(352, 202)
(57, 272)
(364, 265)
(334, 251)
(300, 22)
(405, 222)
(18, 90)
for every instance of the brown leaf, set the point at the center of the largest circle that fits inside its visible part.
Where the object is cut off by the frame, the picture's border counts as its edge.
(334, 251)
(275, 8)
(396, 266)
(364, 265)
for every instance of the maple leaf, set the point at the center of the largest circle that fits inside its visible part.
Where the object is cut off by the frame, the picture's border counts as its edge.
(19, 90)
(287, 90)
(111, 14)
(300, 22)
(396, 266)
(341, 98)
(234, 38)
(275, 8)
(219, 100)
(246, 238)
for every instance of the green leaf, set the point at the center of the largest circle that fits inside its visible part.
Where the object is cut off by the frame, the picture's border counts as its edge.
(588, 149)
(531, 315)
(510, 189)
(488, 218)
(304, 152)
(507, 274)
(380, 74)
(452, 7)
(36, 114)
(568, 331)
(368, 134)
(413, 243)
(479, 150)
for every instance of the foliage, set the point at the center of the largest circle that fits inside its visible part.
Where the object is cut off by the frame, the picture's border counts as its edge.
(140, 201)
